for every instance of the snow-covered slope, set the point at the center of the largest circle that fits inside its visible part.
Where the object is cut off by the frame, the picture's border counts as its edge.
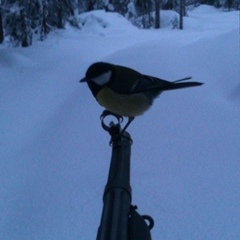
(54, 155)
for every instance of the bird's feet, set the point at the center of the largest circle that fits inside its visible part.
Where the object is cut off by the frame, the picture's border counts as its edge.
(130, 119)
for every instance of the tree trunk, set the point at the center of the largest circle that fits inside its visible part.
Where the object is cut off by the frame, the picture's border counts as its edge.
(182, 13)
(1, 28)
(157, 14)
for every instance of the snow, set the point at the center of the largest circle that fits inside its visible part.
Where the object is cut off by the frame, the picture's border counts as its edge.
(102, 23)
(54, 155)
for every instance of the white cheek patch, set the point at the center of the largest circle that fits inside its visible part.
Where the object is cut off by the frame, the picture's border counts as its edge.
(102, 79)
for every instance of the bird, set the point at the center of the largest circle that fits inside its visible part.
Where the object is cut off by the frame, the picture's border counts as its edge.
(126, 92)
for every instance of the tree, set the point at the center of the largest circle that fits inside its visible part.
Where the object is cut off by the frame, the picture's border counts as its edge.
(182, 13)
(1, 26)
(120, 6)
(157, 14)
(26, 30)
(20, 20)
(24, 19)
(144, 9)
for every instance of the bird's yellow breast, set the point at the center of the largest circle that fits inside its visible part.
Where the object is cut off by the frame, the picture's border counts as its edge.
(122, 104)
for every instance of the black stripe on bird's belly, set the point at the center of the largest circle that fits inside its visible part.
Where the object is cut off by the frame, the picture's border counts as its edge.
(124, 104)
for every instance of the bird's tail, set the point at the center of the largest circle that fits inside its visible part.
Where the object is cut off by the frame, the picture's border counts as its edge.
(180, 84)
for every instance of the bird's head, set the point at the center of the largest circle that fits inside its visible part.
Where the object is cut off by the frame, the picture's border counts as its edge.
(98, 74)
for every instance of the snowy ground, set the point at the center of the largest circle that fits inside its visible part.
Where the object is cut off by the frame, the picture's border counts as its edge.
(54, 156)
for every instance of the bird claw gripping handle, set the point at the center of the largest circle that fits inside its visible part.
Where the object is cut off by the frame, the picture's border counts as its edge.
(138, 228)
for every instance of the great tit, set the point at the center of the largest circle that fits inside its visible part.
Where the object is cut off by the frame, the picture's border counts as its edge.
(126, 92)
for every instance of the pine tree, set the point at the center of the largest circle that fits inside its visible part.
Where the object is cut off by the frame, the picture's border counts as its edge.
(120, 6)
(59, 12)
(25, 28)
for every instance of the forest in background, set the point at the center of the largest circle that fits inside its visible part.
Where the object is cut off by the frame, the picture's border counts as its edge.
(22, 21)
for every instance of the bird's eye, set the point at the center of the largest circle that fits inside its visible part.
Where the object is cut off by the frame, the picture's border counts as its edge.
(103, 78)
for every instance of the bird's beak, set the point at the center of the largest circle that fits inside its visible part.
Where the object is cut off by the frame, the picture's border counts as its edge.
(83, 80)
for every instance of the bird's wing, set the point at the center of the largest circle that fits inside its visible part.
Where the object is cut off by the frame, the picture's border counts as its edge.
(147, 83)
(129, 81)
(155, 85)
(125, 80)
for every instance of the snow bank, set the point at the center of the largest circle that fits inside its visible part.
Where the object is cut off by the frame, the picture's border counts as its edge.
(101, 22)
